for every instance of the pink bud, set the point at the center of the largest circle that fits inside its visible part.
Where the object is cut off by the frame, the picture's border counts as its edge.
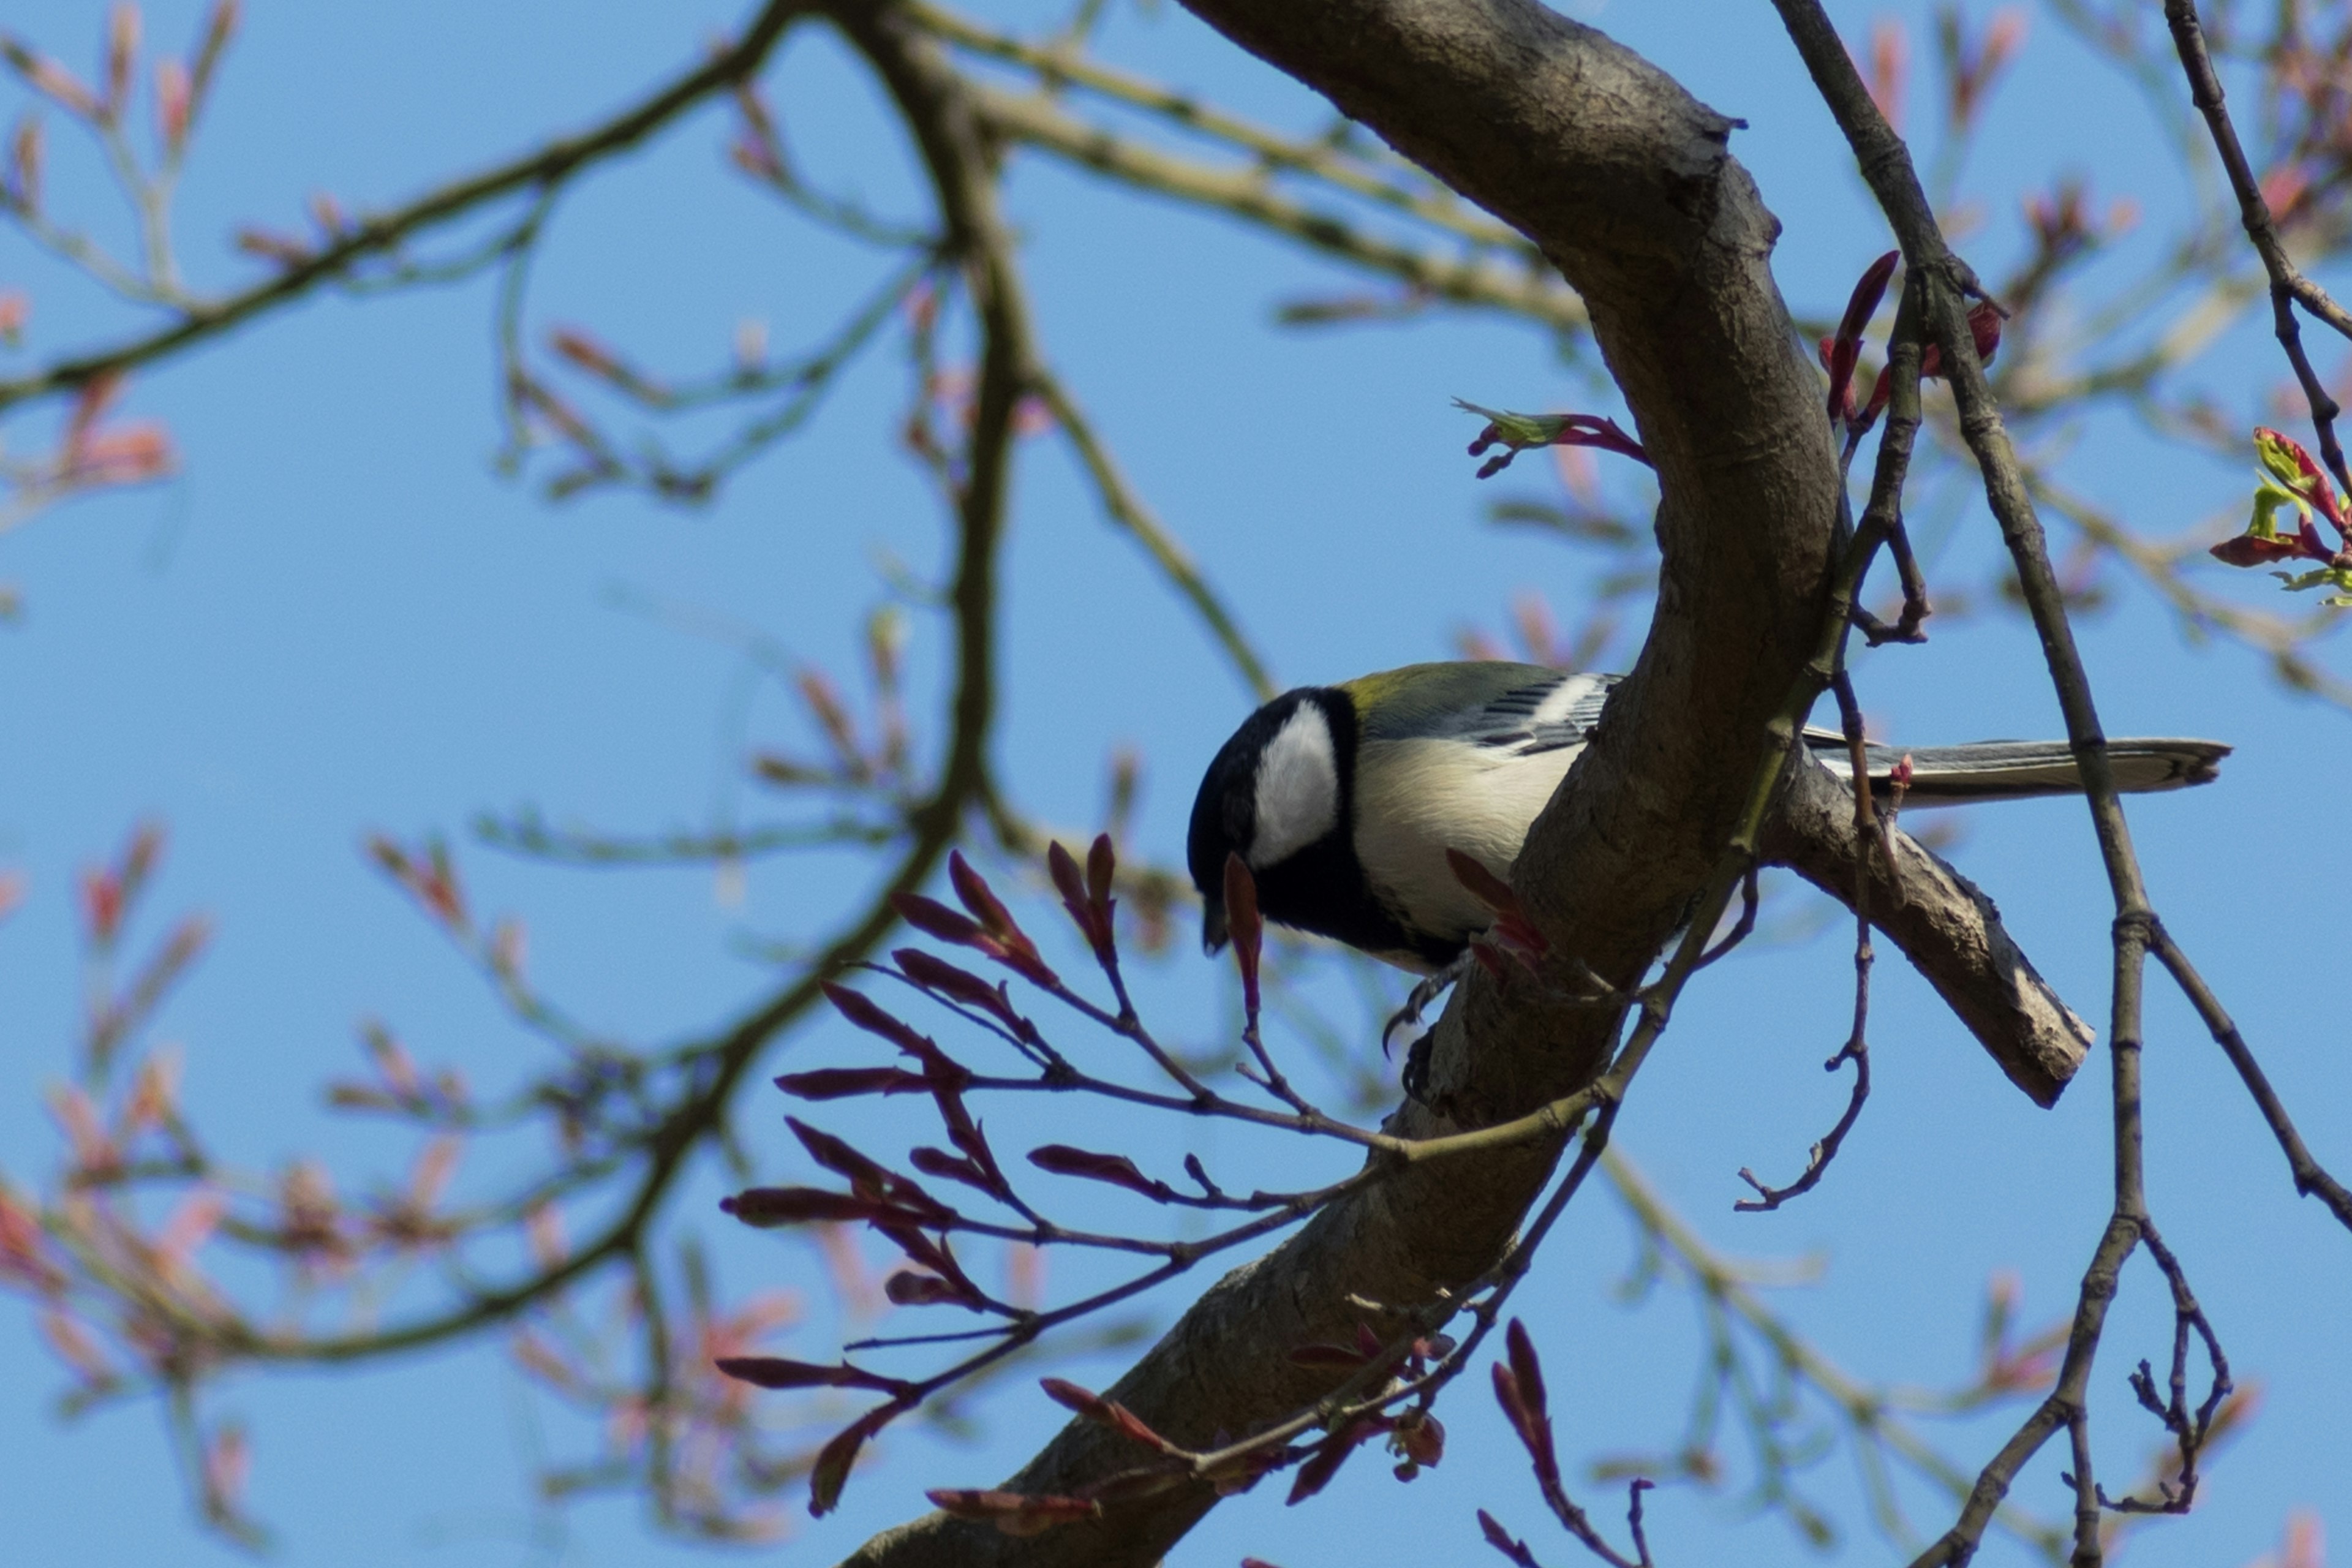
(172, 105)
(121, 52)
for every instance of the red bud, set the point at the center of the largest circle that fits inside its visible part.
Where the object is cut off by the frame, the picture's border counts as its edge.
(1840, 353)
(1101, 862)
(1071, 1397)
(973, 890)
(1329, 1455)
(1520, 1390)
(943, 979)
(1116, 1169)
(833, 1461)
(775, 1372)
(938, 1068)
(767, 1207)
(840, 1083)
(935, 919)
(950, 1167)
(909, 1289)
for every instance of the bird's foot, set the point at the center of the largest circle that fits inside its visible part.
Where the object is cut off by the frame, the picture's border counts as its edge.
(1429, 989)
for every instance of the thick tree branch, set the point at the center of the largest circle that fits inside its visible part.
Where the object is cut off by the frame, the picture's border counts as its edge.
(1625, 183)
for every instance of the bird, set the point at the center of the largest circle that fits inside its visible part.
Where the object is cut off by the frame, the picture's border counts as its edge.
(1343, 801)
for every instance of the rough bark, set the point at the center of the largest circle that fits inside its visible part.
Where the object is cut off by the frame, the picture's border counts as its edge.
(1627, 183)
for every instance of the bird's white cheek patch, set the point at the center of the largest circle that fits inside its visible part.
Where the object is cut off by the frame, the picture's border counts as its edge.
(1297, 789)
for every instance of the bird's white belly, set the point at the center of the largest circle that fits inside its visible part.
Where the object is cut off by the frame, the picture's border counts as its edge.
(1417, 799)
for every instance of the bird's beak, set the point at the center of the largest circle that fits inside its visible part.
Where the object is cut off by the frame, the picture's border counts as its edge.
(1213, 935)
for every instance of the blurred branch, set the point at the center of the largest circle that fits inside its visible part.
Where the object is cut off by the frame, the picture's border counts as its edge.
(549, 166)
(1036, 121)
(1127, 508)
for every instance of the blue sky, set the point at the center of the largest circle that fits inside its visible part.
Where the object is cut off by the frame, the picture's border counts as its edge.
(339, 618)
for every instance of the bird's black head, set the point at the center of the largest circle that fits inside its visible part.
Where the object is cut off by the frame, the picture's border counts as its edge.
(1280, 795)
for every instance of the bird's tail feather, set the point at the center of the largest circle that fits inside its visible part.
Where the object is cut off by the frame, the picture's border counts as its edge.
(2015, 770)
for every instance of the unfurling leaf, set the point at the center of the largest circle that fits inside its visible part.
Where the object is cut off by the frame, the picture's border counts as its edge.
(2291, 480)
(1516, 433)
(1513, 930)
(1011, 949)
(1984, 333)
(1419, 1439)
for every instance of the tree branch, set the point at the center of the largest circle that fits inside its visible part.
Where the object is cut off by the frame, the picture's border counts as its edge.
(1625, 181)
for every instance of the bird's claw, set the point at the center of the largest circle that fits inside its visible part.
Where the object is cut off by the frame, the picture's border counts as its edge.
(1429, 989)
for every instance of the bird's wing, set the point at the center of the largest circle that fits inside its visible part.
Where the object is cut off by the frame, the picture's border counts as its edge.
(1480, 702)
(1541, 715)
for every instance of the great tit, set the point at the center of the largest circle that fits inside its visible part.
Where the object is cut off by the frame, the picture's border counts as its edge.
(1343, 800)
